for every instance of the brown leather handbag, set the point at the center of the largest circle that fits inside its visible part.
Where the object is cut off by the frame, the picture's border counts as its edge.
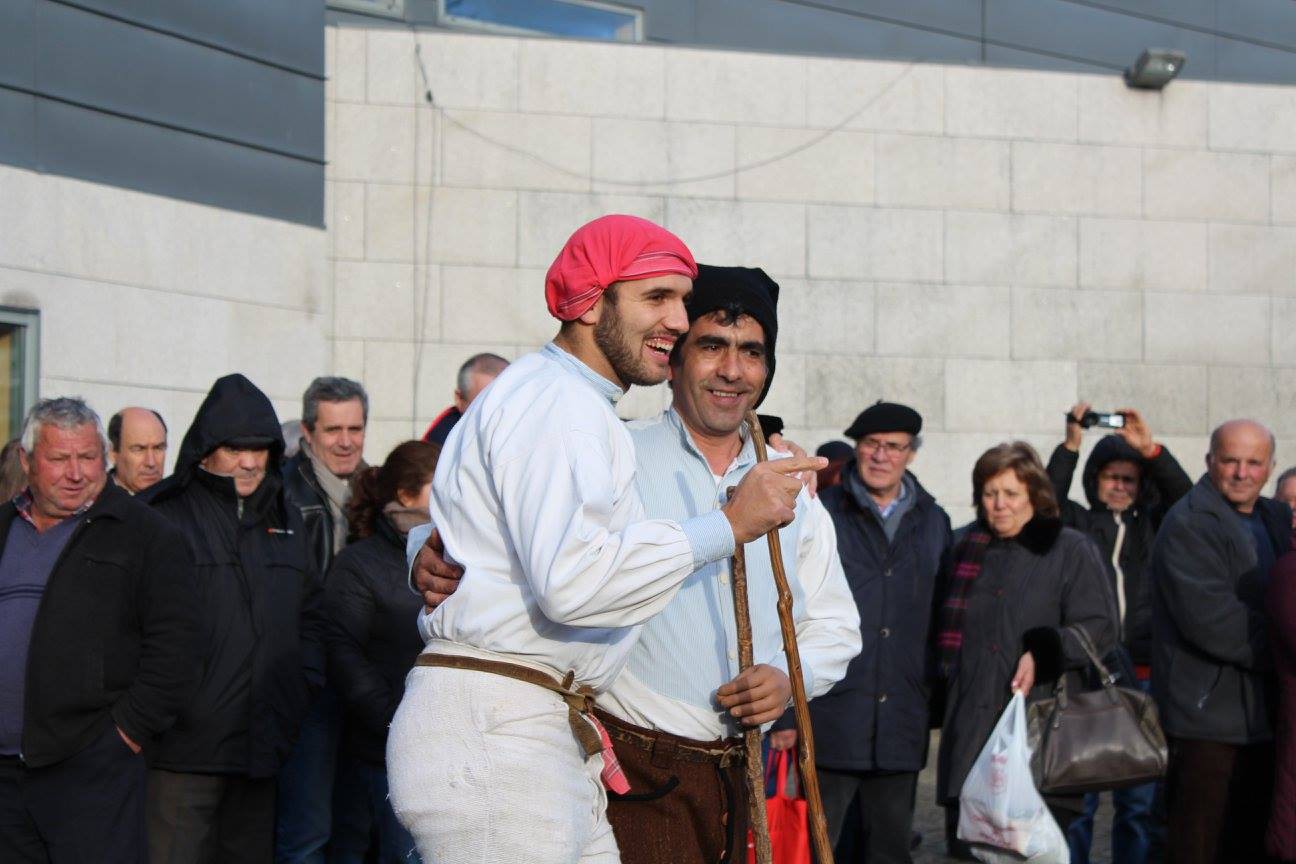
(1093, 740)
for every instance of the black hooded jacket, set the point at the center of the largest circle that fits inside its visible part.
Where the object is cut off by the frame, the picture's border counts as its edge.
(259, 599)
(1162, 482)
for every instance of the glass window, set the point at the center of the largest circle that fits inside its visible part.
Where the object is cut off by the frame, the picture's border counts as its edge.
(19, 343)
(585, 19)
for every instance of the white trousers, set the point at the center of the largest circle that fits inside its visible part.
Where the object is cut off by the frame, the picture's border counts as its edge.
(484, 769)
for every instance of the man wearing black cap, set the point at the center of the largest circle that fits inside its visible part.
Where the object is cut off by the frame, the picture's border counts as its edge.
(677, 709)
(871, 729)
(211, 788)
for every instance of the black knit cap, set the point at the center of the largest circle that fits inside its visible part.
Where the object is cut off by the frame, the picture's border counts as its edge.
(885, 417)
(746, 290)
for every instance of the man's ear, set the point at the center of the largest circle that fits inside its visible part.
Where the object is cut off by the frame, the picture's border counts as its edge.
(591, 315)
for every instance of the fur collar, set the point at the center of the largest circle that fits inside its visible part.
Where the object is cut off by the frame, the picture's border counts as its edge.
(1038, 535)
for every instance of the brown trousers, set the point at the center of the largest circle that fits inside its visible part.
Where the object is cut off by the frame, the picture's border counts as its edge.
(687, 802)
(1218, 796)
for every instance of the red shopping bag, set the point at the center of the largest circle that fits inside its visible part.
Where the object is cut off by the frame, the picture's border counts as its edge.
(788, 825)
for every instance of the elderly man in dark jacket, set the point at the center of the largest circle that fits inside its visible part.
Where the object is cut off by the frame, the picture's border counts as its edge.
(1210, 658)
(212, 783)
(1130, 481)
(97, 655)
(871, 728)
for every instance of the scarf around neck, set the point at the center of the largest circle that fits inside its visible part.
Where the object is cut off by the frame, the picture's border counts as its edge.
(404, 519)
(968, 558)
(336, 493)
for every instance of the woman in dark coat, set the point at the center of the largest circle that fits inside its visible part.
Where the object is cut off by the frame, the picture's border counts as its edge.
(372, 642)
(1280, 840)
(1018, 579)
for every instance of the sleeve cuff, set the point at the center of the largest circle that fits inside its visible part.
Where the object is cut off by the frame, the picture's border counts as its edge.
(710, 536)
(418, 535)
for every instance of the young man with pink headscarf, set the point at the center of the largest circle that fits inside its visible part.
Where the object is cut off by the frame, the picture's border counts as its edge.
(494, 754)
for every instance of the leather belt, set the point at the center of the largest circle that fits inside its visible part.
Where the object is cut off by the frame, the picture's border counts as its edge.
(579, 698)
(666, 747)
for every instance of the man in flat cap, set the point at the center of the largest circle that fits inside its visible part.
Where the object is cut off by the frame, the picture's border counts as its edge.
(495, 753)
(212, 779)
(871, 730)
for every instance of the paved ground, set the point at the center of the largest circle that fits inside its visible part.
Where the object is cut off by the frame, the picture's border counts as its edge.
(930, 820)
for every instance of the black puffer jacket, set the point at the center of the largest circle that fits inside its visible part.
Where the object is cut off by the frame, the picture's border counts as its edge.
(1211, 666)
(259, 600)
(1162, 483)
(875, 718)
(372, 638)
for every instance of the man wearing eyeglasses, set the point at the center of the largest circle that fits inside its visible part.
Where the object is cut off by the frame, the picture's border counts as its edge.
(1130, 481)
(871, 729)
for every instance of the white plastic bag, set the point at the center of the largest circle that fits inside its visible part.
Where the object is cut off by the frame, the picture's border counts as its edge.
(1000, 812)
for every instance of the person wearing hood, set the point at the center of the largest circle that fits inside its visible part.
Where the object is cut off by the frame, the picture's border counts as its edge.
(212, 778)
(871, 729)
(1131, 482)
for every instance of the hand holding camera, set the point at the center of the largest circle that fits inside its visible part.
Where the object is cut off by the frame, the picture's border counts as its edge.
(1127, 423)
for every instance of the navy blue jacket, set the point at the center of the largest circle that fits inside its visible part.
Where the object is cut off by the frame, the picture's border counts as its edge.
(876, 717)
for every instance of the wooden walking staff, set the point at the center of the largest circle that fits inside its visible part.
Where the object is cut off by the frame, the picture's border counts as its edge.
(751, 736)
(800, 705)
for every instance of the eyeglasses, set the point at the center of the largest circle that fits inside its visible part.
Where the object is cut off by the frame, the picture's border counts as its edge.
(891, 449)
(1126, 479)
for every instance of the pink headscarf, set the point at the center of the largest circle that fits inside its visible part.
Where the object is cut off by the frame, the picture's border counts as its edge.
(611, 249)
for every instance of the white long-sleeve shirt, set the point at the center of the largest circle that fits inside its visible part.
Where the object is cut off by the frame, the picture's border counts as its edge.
(534, 497)
(691, 648)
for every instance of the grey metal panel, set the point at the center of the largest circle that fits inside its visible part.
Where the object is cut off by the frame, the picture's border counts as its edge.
(774, 25)
(287, 32)
(955, 16)
(1195, 13)
(105, 149)
(18, 42)
(1244, 61)
(17, 128)
(669, 20)
(1087, 34)
(1271, 21)
(997, 55)
(93, 60)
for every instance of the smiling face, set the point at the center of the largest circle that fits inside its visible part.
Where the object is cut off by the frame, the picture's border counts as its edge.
(1239, 462)
(1118, 483)
(638, 324)
(65, 471)
(719, 373)
(338, 436)
(246, 465)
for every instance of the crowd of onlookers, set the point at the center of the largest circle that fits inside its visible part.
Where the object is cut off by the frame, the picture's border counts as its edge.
(203, 666)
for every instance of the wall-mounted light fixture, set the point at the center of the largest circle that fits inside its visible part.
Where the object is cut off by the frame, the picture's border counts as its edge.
(1155, 68)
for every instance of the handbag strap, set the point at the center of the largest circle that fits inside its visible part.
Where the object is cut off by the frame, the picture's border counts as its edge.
(1086, 644)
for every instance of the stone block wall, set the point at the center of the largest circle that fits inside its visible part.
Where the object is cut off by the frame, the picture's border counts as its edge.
(988, 245)
(146, 300)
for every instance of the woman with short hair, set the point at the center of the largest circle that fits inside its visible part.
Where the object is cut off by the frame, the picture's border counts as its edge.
(1016, 581)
